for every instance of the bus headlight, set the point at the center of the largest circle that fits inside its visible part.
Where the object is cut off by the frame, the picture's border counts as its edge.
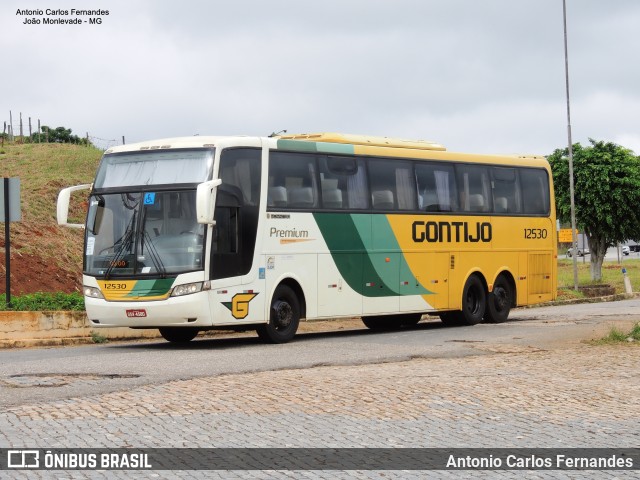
(92, 292)
(189, 288)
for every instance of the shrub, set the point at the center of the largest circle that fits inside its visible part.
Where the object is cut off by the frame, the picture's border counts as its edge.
(36, 302)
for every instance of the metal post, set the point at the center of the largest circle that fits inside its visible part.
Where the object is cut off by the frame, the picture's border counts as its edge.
(571, 190)
(7, 243)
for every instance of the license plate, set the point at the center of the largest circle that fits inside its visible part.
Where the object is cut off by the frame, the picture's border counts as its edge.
(138, 313)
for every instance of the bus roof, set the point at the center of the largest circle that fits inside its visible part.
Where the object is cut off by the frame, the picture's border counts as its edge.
(367, 143)
(331, 137)
(195, 141)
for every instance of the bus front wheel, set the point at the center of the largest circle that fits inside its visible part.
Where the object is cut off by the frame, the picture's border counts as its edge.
(178, 334)
(284, 317)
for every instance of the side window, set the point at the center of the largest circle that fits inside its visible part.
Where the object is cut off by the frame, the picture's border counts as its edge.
(506, 190)
(225, 231)
(292, 181)
(474, 188)
(535, 191)
(343, 183)
(240, 174)
(393, 185)
(436, 187)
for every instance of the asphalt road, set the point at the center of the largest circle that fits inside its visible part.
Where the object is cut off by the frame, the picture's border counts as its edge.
(29, 376)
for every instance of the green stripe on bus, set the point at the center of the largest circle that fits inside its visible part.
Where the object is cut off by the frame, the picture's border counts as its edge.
(370, 272)
(316, 147)
(151, 288)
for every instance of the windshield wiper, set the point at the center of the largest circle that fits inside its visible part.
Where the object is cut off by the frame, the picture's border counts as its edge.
(127, 239)
(153, 252)
(154, 255)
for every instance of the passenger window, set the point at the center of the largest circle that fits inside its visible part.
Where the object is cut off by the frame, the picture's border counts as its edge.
(240, 174)
(436, 187)
(506, 190)
(292, 181)
(474, 188)
(343, 183)
(393, 185)
(535, 191)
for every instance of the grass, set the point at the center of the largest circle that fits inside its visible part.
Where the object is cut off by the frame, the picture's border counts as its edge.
(616, 336)
(611, 274)
(98, 338)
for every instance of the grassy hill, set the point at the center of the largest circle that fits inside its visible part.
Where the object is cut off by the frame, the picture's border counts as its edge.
(45, 257)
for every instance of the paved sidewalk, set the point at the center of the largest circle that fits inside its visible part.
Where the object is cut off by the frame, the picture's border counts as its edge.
(577, 396)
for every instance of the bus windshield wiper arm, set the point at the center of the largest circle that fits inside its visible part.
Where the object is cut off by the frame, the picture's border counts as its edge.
(154, 255)
(153, 252)
(127, 238)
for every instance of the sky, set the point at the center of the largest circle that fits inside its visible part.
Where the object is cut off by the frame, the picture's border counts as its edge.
(482, 76)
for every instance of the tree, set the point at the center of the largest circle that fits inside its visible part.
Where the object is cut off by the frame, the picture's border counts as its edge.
(57, 135)
(607, 195)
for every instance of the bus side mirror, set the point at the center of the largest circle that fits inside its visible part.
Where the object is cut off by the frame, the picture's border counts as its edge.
(206, 200)
(62, 208)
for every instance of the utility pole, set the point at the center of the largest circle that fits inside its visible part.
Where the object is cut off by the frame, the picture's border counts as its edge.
(571, 187)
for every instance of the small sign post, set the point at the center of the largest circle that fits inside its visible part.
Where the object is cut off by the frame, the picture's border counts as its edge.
(565, 235)
(9, 212)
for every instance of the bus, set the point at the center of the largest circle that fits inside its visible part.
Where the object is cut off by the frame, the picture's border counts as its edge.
(191, 234)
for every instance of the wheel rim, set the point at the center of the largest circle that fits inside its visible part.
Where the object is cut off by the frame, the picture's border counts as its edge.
(501, 298)
(283, 314)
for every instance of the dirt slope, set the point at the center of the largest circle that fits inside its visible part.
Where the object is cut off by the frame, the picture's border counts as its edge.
(45, 257)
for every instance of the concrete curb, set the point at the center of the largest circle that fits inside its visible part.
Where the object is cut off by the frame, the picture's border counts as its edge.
(57, 328)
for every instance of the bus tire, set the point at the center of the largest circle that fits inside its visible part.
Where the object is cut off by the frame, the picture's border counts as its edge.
(499, 301)
(284, 317)
(178, 334)
(474, 301)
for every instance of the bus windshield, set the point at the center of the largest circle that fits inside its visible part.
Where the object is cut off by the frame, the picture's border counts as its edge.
(169, 167)
(143, 233)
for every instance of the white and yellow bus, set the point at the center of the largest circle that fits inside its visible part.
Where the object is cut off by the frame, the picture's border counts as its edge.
(191, 234)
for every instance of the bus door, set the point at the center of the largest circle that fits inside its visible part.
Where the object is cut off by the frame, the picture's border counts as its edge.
(234, 234)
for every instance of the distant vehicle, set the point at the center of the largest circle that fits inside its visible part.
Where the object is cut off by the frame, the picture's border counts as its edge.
(580, 251)
(634, 247)
(626, 250)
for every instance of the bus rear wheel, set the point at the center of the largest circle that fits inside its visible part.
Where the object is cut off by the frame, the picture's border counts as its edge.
(499, 301)
(284, 317)
(178, 334)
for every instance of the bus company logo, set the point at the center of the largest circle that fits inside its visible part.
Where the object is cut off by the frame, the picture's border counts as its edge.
(440, 232)
(23, 459)
(239, 304)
